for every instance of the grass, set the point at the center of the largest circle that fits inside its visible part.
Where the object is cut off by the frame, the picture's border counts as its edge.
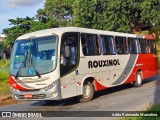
(155, 108)
(4, 88)
(4, 70)
(4, 78)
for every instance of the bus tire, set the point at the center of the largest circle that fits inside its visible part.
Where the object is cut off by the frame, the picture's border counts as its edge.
(87, 93)
(138, 81)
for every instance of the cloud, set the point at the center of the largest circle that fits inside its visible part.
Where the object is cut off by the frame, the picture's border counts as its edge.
(0, 7)
(11, 9)
(22, 3)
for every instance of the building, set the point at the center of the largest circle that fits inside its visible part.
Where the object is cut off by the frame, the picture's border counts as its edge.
(2, 37)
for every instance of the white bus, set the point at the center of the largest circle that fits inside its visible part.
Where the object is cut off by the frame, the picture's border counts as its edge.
(59, 63)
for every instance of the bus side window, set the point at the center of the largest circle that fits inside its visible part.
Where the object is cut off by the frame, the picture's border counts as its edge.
(138, 47)
(112, 45)
(151, 46)
(107, 45)
(69, 52)
(90, 45)
(142, 46)
(121, 45)
(148, 46)
(102, 43)
(84, 46)
(133, 46)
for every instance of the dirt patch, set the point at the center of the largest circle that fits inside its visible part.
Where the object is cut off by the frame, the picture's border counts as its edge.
(7, 100)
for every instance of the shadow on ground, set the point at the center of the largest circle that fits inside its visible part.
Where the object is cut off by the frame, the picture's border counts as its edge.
(74, 100)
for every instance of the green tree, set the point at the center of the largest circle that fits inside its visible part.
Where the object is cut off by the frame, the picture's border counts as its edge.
(98, 14)
(41, 15)
(151, 16)
(20, 27)
(83, 13)
(116, 18)
(59, 11)
(117, 15)
(38, 25)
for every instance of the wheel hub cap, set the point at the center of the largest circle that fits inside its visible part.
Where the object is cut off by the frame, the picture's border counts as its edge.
(86, 91)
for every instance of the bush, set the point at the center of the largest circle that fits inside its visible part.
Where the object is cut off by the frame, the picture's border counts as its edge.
(4, 74)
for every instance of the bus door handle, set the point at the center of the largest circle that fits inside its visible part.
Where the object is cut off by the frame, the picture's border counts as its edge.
(76, 72)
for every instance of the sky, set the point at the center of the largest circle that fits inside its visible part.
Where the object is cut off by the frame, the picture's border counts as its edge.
(11, 9)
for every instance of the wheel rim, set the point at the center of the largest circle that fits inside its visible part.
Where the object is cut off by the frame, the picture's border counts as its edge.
(139, 79)
(86, 91)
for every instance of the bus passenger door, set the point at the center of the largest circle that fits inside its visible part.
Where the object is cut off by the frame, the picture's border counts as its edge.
(68, 63)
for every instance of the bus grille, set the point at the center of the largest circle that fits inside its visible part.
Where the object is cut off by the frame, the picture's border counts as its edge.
(37, 96)
(31, 90)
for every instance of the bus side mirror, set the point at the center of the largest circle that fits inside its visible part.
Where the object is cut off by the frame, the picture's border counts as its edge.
(67, 51)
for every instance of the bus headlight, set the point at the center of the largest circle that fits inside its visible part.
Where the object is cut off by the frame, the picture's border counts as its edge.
(51, 85)
(54, 94)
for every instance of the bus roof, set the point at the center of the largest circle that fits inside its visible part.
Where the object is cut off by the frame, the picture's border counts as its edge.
(47, 32)
(140, 36)
(61, 30)
(94, 31)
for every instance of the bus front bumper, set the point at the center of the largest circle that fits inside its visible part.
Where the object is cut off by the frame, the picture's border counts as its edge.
(49, 93)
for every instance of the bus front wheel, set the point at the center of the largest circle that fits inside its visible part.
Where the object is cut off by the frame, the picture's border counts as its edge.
(87, 93)
(138, 81)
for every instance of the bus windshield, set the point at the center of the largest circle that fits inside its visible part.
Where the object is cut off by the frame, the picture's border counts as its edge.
(34, 56)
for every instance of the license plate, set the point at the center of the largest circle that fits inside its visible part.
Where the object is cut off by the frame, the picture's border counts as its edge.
(28, 96)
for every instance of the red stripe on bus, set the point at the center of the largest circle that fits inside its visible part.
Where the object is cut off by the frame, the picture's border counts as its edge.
(15, 85)
(148, 69)
(98, 86)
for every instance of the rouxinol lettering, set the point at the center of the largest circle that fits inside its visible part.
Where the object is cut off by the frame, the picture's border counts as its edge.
(103, 63)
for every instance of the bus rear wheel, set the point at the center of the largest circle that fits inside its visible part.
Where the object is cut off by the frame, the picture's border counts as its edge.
(138, 81)
(87, 93)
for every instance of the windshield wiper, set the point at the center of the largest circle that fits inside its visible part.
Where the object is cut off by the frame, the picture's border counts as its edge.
(17, 73)
(28, 63)
(26, 57)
